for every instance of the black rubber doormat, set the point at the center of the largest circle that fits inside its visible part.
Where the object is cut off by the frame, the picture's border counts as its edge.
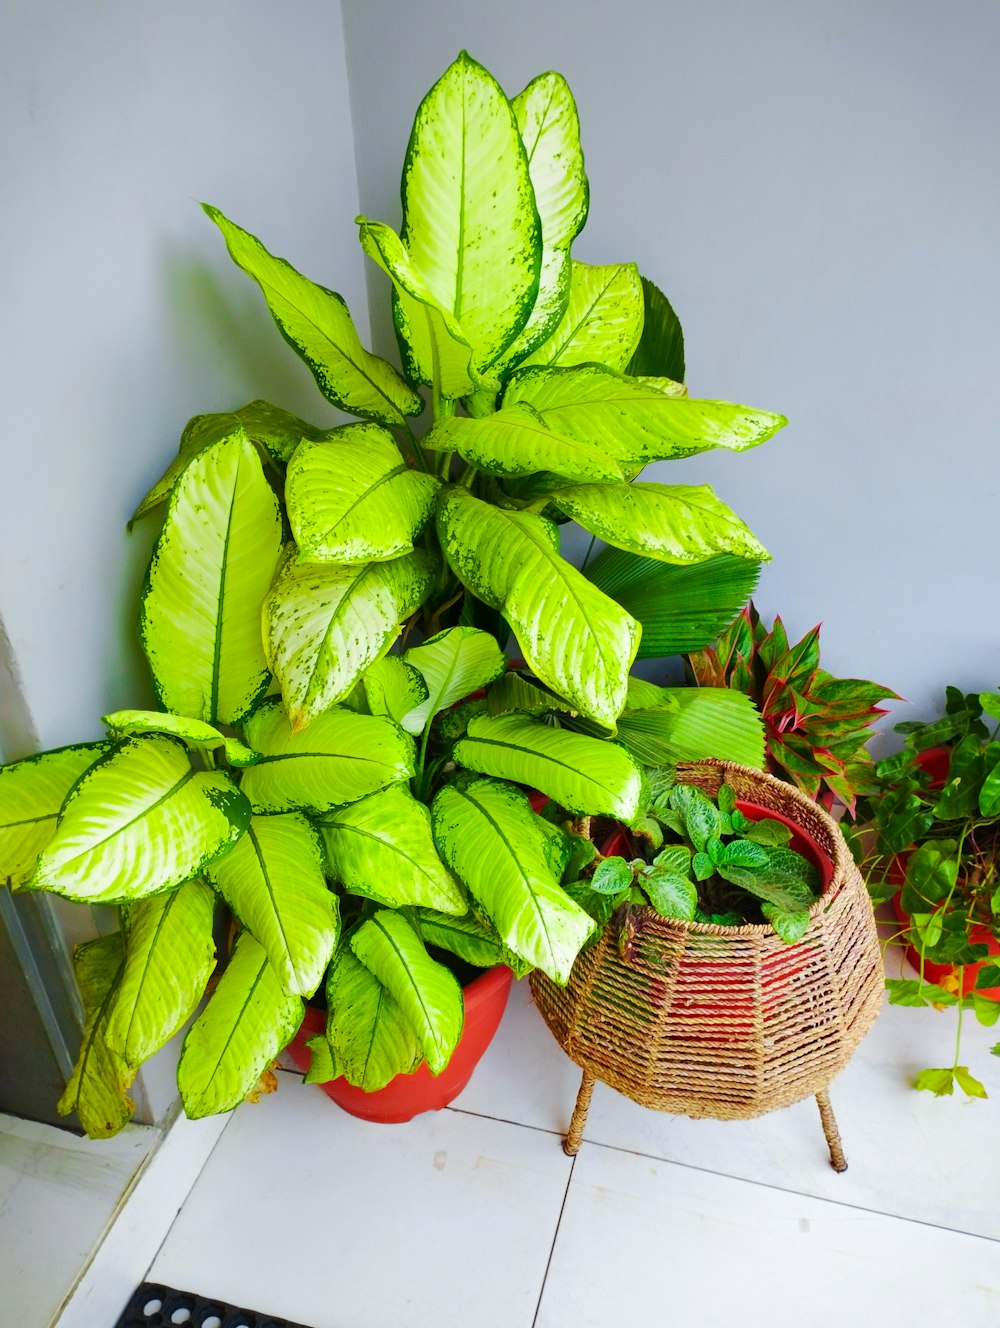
(155, 1306)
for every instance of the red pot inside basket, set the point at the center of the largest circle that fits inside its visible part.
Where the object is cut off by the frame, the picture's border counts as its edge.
(408, 1095)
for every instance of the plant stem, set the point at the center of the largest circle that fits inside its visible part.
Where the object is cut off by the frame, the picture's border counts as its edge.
(468, 475)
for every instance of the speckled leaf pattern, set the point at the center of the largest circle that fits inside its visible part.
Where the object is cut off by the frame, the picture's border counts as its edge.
(32, 793)
(371, 1038)
(495, 844)
(247, 1021)
(465, 937)
(169, 957)
(274, 883)
(579, 642)
(324, 625)
(426, 992)
(342, 757)
(433, 345)
(352, 498)
(194, 732)
(550, 130)
(636, 420)
(322, 1065)
(602, 320)
(454, 664)
(515, 440)
(209, 573)
(382, 848)
(97, 1088)
(317, 324)
(139, 821)
(470, 222)
(679, 523)
(396, 689)
(585, 775)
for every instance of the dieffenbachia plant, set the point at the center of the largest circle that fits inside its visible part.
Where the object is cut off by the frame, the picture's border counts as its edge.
(323, 786)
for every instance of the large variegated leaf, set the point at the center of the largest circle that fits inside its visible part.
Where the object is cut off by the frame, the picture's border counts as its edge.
(323, 625)
(273, 881)
(550, 130)
(660, 352)
(209, 573)
(493, 841)
(465, 937)
(382, 848)
(32, 793)
(516, 441)
(433, 345)
(169, 957)
(351, 497)
(579, 643)
(317, 325)
(270, 427)
(323, 1065)
(674, 523)
(247, 1021)
(680, 608)
(427, 993)
(140, 821)
(396, 689)
(454, 664)
(194, 732)
(636, 420)
(586, 775)
(470, 221)
(602, 321)
(701, 722)
(343, 756)
(371, 1038)
(96, 1090)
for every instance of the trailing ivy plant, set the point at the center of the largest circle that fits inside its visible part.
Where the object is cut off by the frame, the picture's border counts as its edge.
(321, 785)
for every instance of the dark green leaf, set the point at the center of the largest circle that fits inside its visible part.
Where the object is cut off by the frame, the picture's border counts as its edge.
(660, 352)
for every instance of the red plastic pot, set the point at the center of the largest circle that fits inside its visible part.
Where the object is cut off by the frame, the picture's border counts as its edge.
(408, 1095)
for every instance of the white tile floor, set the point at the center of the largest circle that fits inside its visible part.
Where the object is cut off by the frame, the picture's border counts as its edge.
(474, 1218)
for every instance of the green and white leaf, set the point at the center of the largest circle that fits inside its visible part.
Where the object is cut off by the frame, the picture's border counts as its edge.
(324, 625)
(343, 756)
(580, 643)
(273, 881)
(674, 523)
(454, 664)
(382, 848)
(427, 993)
(470, 221)
(352, 498)
(169, 957)
(210, 570)
(138, 822)
(32, 793)
(515, 440)
(499, 848)
(371, 1039)
(550, 131)
(97, 1088)
(602, 321)
(247, 1021)
(636, 421)
(395, 689)
(702, 722)
(193, 732)
(317, 325)
(433, 345)
(584, 775)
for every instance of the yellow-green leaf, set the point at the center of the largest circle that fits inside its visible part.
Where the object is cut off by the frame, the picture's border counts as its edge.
(32, 793)
(602, 321)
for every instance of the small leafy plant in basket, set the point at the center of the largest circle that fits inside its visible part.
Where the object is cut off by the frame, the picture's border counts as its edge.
(700, 859)
(936, 819)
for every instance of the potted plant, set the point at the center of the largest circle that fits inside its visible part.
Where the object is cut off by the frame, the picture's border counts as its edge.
(936, 818)
(299, 769)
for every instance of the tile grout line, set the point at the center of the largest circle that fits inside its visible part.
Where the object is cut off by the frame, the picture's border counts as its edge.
(173, 1220)
(555, 1237)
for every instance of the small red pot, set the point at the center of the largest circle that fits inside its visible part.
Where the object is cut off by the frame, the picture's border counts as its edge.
(408, 1095)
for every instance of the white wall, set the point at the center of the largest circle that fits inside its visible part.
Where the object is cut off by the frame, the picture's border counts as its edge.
(122, 315)
(816, 186)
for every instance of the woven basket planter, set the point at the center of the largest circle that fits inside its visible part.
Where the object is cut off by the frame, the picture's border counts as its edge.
(726, 1022)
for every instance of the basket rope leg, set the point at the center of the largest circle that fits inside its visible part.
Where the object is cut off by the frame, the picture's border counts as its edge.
(837, 1159)
(574, 1137)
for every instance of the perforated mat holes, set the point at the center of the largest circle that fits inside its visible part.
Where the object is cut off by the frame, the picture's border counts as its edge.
(155, 1306)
